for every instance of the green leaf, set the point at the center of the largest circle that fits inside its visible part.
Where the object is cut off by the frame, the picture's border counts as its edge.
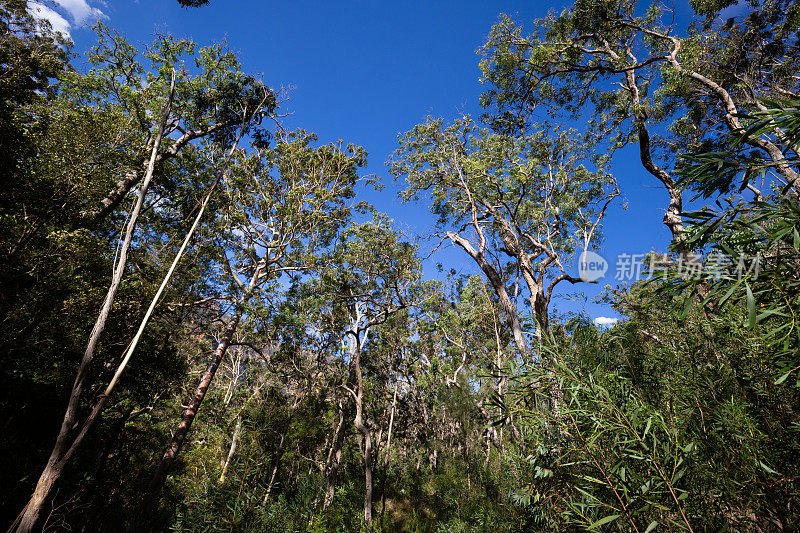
(651, 527)
(768, 469)
(603, 521)
(729, 293)
(751, 307)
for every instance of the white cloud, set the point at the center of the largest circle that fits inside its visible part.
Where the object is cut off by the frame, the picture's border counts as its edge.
(80, 11)
(605, 321)
(42, 12)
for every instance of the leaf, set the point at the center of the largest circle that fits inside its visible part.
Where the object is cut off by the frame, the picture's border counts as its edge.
(751, 307)
(651, 527)
(729, 293)
(603, 521)
(768, 469)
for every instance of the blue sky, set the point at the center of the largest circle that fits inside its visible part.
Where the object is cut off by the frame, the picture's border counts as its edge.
(365, 71)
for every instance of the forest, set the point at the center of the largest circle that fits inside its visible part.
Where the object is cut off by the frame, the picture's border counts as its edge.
(206, 324)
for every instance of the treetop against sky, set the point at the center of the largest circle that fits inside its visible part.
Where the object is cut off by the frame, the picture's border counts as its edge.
(366, 72)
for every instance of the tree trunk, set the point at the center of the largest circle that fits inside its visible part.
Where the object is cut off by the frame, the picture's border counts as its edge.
(335, 454)
(335, 457)
(62, 450)
(232, 451)
(359, 424)
(275, 466)
(367, 478)
(182, 431)
(386, 453)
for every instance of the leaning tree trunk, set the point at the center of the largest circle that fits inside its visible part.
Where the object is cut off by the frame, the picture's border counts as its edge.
(190, 412)
(232, 451)
(153, 491)
(64, 447)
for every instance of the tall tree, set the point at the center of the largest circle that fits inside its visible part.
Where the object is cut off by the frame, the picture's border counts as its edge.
(641, 78)
(118, 84)
(533, 199)
(376, 273)
(284, 206)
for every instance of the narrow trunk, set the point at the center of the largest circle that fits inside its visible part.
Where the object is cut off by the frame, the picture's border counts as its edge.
(182, 431)
(335, 454)
(497, 284)
(359, 424)
(232, 451)
(391, 423)
(334, 458)
(60, 454)
(367, 478)
(275, 467)
(386, 454)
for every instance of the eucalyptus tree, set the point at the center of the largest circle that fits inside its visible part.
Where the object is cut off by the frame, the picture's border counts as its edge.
(369, 277)
(534, 199)
(641, 78)
(213, 99)
(31, 56)
(283, 207)
(473, 356)
(121, 85)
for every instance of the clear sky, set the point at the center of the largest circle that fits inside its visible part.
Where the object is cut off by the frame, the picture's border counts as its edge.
(364, 71)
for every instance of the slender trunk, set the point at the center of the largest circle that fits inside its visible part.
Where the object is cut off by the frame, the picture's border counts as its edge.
(497, 284)
(232, 451)
(335, 454)
(182, 431)
(359, 424)
(367, 478)
(386, 454)
(334, 458)
(60, 454)
(391, 423)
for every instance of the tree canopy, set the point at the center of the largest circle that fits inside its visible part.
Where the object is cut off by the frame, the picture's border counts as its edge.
(207, 325)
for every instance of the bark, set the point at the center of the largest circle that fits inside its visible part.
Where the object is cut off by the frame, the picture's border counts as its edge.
(154, 489)
(334, 460)
(63, 448)
(362, 428)
(386, 454)
(672, 217)
(335, 457)
(391, 423)
(115, 196)
(232, 451)
(497, 284)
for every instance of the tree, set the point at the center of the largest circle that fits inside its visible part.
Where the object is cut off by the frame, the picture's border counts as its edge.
(107, 82)
(630, 72)
(377, 273)
(530, 198)
(30, 57)
(369, 277)
(285, 204)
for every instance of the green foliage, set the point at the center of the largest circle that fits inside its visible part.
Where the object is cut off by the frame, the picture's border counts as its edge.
(764, 230)
(683, 416)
